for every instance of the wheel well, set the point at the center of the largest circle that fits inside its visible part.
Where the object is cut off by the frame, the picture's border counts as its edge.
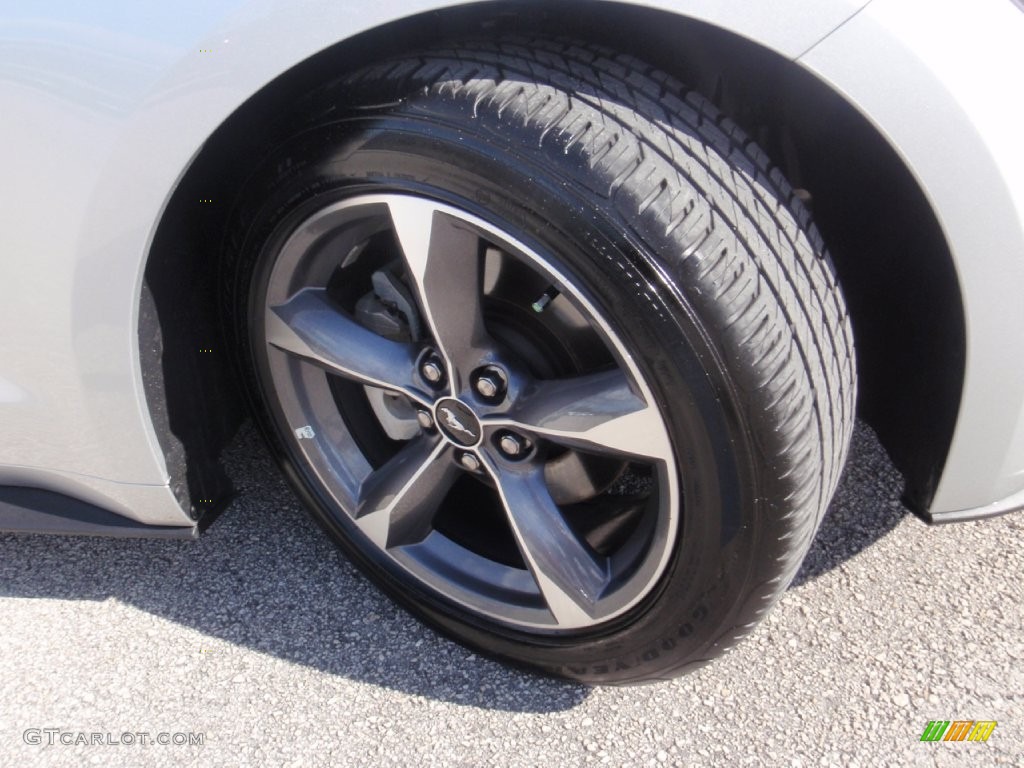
(891, 257)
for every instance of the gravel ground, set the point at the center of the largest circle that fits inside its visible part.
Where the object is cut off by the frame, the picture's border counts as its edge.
(264, 639)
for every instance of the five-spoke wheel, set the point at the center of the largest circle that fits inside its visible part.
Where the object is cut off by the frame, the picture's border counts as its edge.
(483, 410)
(548, 348)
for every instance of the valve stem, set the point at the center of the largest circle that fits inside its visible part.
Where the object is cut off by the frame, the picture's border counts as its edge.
(546, 298)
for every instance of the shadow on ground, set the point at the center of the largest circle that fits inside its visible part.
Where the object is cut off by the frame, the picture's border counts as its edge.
(865, 508)
(264, 577)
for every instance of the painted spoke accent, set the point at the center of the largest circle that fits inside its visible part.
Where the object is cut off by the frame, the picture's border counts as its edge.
(597, 412)
(570, 577)
(443, 256)
(397, 502)
(310, 327)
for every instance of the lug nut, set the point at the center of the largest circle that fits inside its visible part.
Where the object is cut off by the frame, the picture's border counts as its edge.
(470, 462)
(487, 386)
(432, 370)
(513, 446)
(425, 419)
(490, 383)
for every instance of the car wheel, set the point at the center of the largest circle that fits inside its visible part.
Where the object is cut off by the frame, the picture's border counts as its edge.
(549, 349)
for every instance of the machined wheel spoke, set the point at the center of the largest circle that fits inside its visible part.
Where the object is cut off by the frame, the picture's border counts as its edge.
(597, 412)
(397, 502)
(310, 327)
(443, 256)
(570, 577)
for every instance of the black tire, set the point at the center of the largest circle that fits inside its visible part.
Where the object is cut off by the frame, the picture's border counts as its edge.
(691, 246)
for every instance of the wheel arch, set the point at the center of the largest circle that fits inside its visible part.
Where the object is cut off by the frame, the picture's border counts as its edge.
(910, 368)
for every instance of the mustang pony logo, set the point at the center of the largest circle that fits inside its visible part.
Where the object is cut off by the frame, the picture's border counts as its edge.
(453, 422)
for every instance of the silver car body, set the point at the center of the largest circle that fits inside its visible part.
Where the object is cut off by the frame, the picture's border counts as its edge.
(103, 108)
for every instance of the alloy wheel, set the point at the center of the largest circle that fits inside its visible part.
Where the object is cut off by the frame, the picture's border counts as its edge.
(469, 412)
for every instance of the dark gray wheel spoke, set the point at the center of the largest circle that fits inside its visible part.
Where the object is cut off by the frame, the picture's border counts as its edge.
(570, 577)
(397, 502)
(310, 327)
(444, 262)
(597, 412)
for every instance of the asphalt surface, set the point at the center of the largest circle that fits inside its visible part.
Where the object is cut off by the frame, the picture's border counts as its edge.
(263, 639)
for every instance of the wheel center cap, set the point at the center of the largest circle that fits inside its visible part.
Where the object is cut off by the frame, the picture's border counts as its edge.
(457, 422)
